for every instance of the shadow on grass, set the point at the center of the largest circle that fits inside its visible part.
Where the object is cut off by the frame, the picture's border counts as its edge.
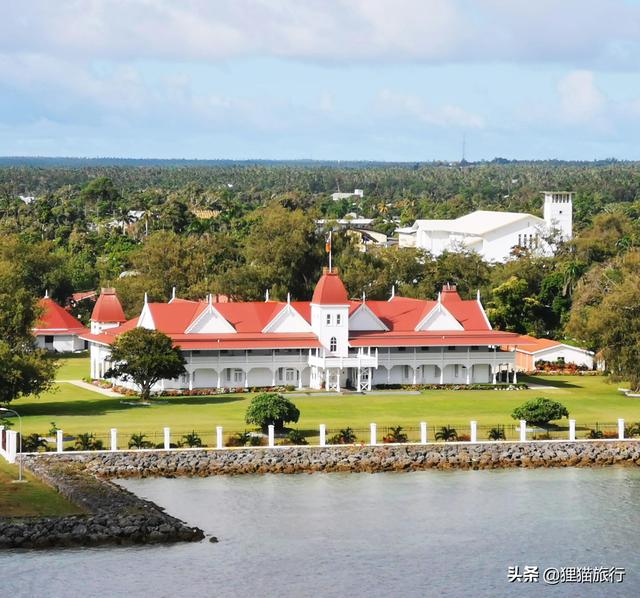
(534, 380)
(102, 406)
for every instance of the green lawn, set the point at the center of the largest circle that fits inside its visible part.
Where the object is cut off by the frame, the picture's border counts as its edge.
(75, 410)
(75, 367)
(33, 499)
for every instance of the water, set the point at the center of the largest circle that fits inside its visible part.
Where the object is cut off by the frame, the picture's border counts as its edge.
(407, 534)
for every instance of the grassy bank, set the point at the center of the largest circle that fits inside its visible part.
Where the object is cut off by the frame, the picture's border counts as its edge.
(589, 399)
(33, 499)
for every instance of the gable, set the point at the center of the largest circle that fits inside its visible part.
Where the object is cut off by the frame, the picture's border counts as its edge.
(210, 321)
(146, 319)
(439, 318)
(287, 320)
(364, 319)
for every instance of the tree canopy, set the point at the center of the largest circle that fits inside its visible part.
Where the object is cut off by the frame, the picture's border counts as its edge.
(270, 408)
(145, 357)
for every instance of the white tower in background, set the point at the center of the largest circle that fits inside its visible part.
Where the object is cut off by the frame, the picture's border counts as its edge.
(558, 212)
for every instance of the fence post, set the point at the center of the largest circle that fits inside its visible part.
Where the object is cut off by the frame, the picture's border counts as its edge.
(271, 435)
(167, 439)
(621, 429)
(523, 430)
(474, 431)
(59, 441)
(423, 432)
(572, 429)
(114, 439)
(12, 446)
(373, 440)
(219, 437)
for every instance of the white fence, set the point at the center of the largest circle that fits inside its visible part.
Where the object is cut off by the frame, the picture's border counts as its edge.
(9, 438)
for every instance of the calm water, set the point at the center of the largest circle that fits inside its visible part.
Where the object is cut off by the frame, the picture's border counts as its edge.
(416, 534)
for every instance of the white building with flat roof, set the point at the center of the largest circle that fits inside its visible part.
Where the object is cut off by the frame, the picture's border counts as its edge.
(495, 235)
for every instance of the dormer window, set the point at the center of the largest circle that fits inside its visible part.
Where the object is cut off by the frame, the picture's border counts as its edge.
(338, 319)
(328, 319)
(333, 344)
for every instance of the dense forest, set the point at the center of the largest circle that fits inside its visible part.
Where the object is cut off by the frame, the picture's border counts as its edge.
(241, 228)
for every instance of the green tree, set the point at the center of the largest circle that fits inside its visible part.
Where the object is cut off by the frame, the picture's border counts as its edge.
(540, 411)
(606, 315)
(270, 408)
(145, 357)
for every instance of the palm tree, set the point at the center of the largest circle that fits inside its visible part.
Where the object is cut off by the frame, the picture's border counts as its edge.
(496, 433)
(446, 434)
(192, 440)
(138, 441)
(88, 442)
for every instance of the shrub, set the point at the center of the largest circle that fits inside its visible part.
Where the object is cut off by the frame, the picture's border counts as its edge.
(395, 435)
(344, 436)
(446, 434)
(540, 411)
(496, 433)
(33, 442)
(239, 439)
(192, 440)
(270, 408)
(296, 437)
(595, 434)
(138, 441)
(88, 442)
(463, 438)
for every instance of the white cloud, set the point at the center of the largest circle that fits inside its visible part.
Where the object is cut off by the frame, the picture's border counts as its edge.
(581, 101)
(408, 105)
(601, 32)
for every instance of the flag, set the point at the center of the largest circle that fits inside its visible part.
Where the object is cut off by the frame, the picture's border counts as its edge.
(327, 246)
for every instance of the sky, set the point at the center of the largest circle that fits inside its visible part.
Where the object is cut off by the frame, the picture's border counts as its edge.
(395, 80)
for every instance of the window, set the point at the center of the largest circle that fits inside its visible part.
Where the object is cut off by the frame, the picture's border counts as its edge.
(291, 375)
(475, 348)
(328, 319)
(402, 348)
(338, 319)
(333, 344)
(48, 340)
(238, 376)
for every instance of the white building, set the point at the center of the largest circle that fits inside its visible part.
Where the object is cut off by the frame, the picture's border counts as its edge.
(544, 349)
(330, 342)
(57, 330)
(494, 235)
(355, 193)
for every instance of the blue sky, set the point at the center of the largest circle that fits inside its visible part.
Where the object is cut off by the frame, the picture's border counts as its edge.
(322, 79)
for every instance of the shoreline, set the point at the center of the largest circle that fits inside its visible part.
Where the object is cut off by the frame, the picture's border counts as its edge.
(117, 516)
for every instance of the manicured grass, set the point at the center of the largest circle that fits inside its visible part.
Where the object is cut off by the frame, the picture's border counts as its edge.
(589, 399)
(33, 499)
(74, 368)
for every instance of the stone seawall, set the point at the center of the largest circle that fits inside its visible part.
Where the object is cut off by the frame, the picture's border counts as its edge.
(113, 515)
(349, 458)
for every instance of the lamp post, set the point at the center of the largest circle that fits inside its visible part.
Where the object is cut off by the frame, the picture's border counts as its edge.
(6, 409)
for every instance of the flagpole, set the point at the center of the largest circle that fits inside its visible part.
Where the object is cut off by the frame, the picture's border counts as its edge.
(330, 251)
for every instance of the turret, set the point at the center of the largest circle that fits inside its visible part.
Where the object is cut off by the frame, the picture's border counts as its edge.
(330, 314)
(558, 212)
(107, 312)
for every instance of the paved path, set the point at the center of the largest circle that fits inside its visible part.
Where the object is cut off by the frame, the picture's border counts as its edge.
(103, 391)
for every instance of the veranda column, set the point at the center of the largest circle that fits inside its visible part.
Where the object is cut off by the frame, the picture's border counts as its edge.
(515, 375)
(219, 379)
(299, 379)
(246, 379)
(493, 374)
(359, 382)
(273, 377)
(191, 375)
(468, 375)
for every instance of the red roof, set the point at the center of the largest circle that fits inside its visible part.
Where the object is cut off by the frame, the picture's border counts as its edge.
(108, 308)
(401, 316)
(56, 320)
(330, 290)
